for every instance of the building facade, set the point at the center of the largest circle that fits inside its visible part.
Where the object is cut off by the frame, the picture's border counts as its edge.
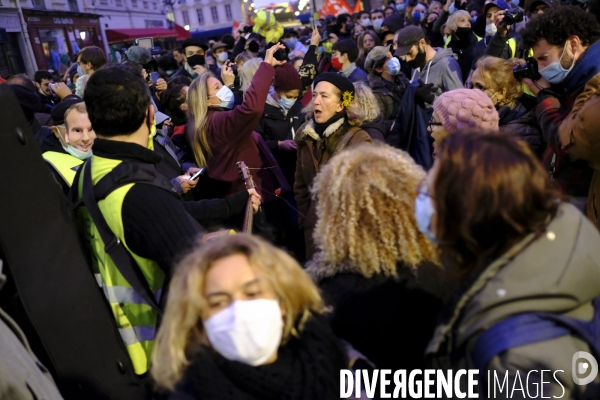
(16, 55)
(205, 15)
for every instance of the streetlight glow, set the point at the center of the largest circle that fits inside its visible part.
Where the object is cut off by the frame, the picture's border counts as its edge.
(187, 27)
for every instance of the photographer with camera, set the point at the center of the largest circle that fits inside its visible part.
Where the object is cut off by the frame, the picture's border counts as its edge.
(504, 38)
(565, 44)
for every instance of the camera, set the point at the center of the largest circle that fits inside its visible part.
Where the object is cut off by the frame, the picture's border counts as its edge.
(527, 70)
(513, 17)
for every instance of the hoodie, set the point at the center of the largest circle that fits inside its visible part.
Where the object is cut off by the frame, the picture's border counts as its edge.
(376, 129)
(443, 71)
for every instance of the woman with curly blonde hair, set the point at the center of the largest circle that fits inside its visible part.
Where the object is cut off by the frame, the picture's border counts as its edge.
(373, 265)
(333, 124)
(374, 123)
(243, 321)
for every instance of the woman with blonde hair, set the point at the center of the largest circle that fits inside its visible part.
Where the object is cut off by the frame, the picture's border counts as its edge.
(373, 123)
(222, 134)
(494, 76)
(462, 40)
(373, 263)
(243, 321)
(365, 42)
(333, 124)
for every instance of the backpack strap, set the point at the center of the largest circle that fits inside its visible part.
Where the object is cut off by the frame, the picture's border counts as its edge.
(533, 327)
(112, 244)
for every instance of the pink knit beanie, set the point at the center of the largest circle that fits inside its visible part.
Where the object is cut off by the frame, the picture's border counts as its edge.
(466, 108)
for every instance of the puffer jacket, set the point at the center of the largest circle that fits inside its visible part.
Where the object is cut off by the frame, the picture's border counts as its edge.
(313, 153)
(388, 95)
(523, 124)
(555, 272)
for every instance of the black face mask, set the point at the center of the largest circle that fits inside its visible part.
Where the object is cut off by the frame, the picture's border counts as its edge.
(195, 60)
(419, 60)
(253, 47)
(463, 33)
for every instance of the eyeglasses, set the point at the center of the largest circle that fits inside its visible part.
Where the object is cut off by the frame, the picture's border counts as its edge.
(432, 123)
(477, 86)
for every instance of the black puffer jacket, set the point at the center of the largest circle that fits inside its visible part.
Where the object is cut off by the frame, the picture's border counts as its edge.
(275, 126)
(465, 50)
(523, 124)
(388, 95)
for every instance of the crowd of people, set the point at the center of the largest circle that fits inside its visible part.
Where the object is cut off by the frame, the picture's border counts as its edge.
(424, 176)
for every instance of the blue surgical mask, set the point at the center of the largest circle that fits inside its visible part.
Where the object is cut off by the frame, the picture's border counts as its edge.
(424, 211)
(286, 103)
(554, 72)
(451, 9)
(393, 65)
(417, 16)
(474, 19)
(377, 24)
(291, 43)
(226, 96)
(79, 71)
(515, 3)
(321, 49)
(400, 7)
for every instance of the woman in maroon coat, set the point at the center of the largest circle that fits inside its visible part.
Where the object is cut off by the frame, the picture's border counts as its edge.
(221, 134)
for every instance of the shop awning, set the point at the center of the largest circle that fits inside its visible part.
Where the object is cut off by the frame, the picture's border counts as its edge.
(128, 35)
(182, 34)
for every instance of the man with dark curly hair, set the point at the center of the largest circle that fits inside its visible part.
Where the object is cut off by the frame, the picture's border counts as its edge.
(565, 45)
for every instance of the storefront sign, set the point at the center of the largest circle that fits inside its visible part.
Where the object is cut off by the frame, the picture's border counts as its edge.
(33, 19)
(63, 21)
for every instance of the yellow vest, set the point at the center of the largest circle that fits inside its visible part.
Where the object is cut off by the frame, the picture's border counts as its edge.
(65, 164)
(135, 318)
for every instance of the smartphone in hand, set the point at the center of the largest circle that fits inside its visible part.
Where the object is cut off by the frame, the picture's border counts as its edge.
(197, 174)
(154, 76)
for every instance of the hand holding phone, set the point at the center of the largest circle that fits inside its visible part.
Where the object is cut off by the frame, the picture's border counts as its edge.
(197, 174)
(154, 76)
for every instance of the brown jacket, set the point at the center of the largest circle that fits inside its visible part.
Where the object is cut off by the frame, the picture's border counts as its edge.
(579, 134)
(313, 153)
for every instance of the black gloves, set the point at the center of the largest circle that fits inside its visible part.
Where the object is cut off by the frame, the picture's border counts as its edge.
(424, 93)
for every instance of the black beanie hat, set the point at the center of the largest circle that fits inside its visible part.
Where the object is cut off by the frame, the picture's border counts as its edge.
(58, 112)
(28, 99)
(195, 42)
(340, 82)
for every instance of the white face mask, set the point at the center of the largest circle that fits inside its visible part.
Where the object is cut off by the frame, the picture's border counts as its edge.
(491, 29)
(226, 96)
(222, 57)
(366, 22)
(247, 331)
(424, 211)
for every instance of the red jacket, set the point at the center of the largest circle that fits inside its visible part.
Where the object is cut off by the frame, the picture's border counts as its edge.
(231, 138)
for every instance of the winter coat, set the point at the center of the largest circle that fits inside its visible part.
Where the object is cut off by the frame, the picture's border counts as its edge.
(570, 177)
(358, 75)
(388, 95)
(465, 54)
(376, 129)
(277, 125)
(231, 138)
(22, 376)
(579, 134)
(313, 153)
(523, 124)
(372, 314)
(556, 272)
(443, 71)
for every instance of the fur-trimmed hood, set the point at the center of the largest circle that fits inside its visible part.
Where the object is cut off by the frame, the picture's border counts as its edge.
(308, 129)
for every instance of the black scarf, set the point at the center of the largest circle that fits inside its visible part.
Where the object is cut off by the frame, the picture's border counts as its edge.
(320, 128)
(307, 368)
